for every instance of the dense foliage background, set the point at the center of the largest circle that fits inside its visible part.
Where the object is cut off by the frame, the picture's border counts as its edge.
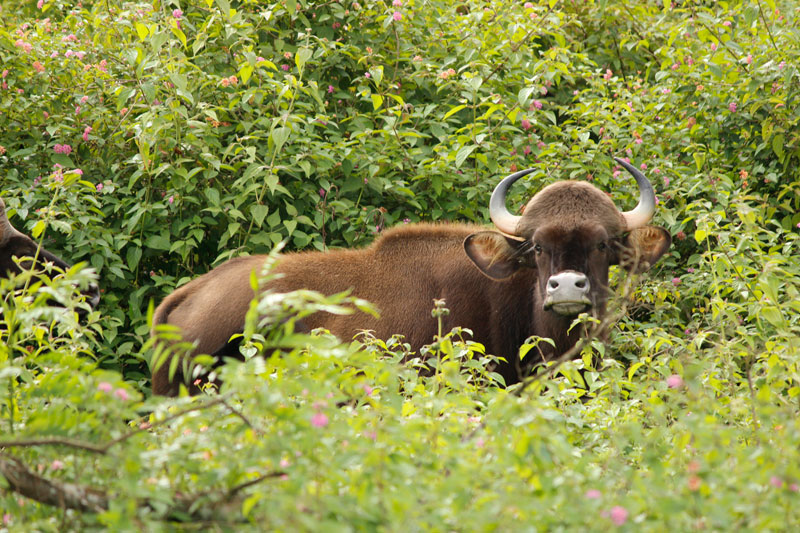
(155, 140)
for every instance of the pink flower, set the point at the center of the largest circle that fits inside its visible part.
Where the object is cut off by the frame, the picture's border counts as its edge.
(177, 13)
(537, 104)
(727, 23)
(713, 46)
(78, 171)
(56, 465)
(526, 124)
(319, 420)
(528, 5)
(782, 65)
(123, 111)
(99, 187)
(171, 199)
(330, 89)
(367, 75)
(618, 515)
(104, 386)
(367, 389)
(732, 107)
(103, 65)
(79, 54)
(284, 67)
(608, 74)
(749, 59)
(5, 73)
(40, 4)
(691, 121)
(86, 133)
(776, 482)
(84, 99)
(526, 150)
(397, 15)
(540, 145)
(674, 381)
(69, 53)
(54, 55)
(38, 67)
(284, 463)
(638, 140)
(643, 166)
(676, 281)
(6, 519)
(122, 394)
(77, 109)
(665, 90)
(397, 3)
(593, 494)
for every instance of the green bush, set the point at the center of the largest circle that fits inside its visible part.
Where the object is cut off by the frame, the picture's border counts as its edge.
(154, 140)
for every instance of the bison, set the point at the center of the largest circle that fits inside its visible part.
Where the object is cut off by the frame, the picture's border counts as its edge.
(532, 277)
(29, 255)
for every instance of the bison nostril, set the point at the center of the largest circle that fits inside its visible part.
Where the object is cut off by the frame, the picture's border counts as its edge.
(581, 283)
(553, 284)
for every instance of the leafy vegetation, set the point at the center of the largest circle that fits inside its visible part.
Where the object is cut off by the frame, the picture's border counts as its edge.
(154, 140)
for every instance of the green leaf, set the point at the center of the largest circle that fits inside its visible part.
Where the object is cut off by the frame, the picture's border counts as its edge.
(453, 111)
(259, 212)
(377, 101)
(301, 58)
(463, 154)
(141, 31)
(700, 235)
(280, 136)
(777, 145)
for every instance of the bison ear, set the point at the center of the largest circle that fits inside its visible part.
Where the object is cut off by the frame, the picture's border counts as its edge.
(642, 247)
(493, 253)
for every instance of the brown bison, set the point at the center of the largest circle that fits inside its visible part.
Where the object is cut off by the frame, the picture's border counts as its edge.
(533, 277)
(29, 254)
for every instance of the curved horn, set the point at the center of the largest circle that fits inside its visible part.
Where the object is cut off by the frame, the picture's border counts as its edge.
(500, 215)
(643, 212)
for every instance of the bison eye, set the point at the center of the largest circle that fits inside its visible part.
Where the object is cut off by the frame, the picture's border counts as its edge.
(601, 246)
(537, 248)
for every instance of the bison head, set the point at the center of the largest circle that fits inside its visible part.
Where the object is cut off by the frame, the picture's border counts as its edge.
(14, 244)
(569, 233)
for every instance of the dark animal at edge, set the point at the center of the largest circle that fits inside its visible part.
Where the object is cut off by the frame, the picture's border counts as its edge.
(16, 244)
(532, 277)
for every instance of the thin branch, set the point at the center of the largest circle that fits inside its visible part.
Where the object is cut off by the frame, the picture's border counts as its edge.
(103, 449)
(766, 26)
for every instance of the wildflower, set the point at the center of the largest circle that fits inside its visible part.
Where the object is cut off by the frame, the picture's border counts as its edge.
(177, 13)
(781, 65)
(676, 281)
(40, 4)
(38, 67)
(638, 140)
(367, 389)
(171, 199)
(727, 23)
(665, 90)
(693, 466)
(608, 74)
(56, 465)
(776, 482)
(224, 82)
(69, 53)
(674, 381)
(694, 483)
(336, 25)
(681, 235)
(122, 394)
(690, 270)
(417, 57)
(2, 149)
(666, 181)
(537, 104)
(540, 145)
(675, 66)
(99, 187)
(592, 494)
(407, 220)
(123, 111)
(284, 463)
(79, 54)
(714, 47)
(749, 59)
(397, 16)
(794, 487)
(691, 121)
(77, 109)
(526, 124)
(528, 5)
(732, 107)
(526, 150)
(575, 92)
(397, 3)
(319, 420)
(643, 166)
(104, 386)
(618, 515)
(103, 65)
(5, 73)
(6, 519)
